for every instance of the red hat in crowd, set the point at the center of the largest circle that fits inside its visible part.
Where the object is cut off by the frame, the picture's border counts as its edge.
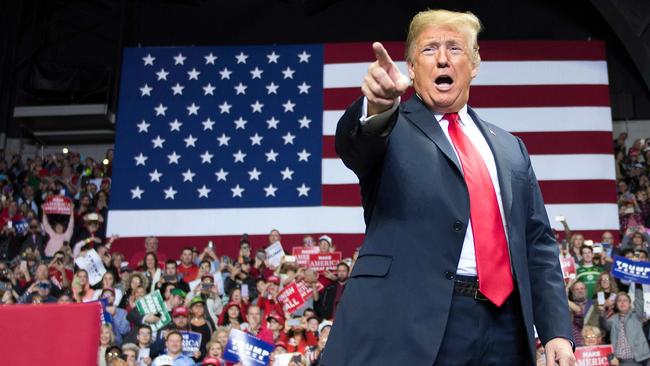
(276, 316)
(180, 310)
(281, 344)
(273, 279)
(211, 361)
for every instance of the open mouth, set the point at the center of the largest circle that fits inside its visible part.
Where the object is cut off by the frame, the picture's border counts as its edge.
(444, 80)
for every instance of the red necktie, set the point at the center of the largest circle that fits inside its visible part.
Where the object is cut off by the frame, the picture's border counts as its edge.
(492, 258)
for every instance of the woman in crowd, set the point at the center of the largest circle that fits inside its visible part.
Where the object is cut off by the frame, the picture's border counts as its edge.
(152, 270)
(214, 349)
(106, 339)
(231, 316)
(81, 290)
(59, 234)
(626, 332)
(199, 320)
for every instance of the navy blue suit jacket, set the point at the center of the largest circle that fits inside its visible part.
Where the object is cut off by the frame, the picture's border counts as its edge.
(396, 303)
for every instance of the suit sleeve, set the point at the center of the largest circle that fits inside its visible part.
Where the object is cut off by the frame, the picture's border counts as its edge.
(361, 149)
(550, 310)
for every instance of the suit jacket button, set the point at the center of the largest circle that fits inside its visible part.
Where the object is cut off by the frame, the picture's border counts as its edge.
(458, 226)
(450, 275)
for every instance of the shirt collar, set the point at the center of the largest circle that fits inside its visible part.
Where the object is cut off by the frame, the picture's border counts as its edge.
(462, 113)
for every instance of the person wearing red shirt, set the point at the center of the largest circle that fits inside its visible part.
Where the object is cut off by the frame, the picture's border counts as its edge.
(187, 268)
(150, 246)
(268, 300)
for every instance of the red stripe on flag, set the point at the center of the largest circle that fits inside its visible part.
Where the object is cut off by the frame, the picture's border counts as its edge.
(503, 96)
(539, 143)
(229, 245)
(490, 51)
(554, 192)
(50, 334)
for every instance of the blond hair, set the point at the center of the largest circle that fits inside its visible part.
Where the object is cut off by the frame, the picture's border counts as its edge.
(466, 23)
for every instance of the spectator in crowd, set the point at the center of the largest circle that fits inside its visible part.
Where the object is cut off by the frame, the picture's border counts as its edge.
(254, 325)
(325, 244)
(171, 275)
(240, 276)
(143, 342)
(187, 269)
(120, 324)
(130, 353)
(59, 235)
(588, 273)
(231, 316)
(81, 290)
(174, 345)
(34, 240)
(626, 332)
(592, 335)
(200, 321)
(106, 340)
(583, 310)
(150, 246)
(331, 296)
(314, 352)
(274, 236)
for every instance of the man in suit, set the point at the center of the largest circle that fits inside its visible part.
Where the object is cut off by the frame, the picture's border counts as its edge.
(459, 260)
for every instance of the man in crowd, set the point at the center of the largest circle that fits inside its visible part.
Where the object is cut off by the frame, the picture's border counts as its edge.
(588, 273)
(329, 300)
(174, 344)
(253, 325)
(150, 246)
(188, 270)
(583, 311)
(171, 275)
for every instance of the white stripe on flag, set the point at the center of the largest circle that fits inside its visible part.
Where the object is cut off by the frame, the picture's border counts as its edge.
(547, 167)
(350, 75)
(344, 220)
(551, 119)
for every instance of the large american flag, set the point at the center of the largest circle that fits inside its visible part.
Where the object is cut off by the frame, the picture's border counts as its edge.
(213, 142)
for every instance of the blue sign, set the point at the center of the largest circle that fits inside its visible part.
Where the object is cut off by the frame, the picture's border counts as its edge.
(247, 349)
(191, 342)
(106, 317)
(21, 226)
(635, 271)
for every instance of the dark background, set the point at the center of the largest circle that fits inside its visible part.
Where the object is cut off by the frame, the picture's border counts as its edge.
(59, 52)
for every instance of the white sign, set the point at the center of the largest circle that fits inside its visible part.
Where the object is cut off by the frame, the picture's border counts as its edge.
(91, 263)
(274, 254)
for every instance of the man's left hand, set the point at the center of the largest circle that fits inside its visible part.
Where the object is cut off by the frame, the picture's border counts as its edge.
(559, 351)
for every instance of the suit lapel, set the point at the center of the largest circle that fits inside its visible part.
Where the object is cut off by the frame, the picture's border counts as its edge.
(500, 158)
(423, 119)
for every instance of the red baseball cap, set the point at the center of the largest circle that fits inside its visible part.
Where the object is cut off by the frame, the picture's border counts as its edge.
(180, 310)
(273, 279)
(211, 361)
(277, 317)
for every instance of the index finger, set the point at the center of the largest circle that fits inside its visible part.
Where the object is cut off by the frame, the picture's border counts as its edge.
(381, 54)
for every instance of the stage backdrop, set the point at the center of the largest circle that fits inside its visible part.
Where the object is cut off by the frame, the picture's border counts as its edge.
(213, 142)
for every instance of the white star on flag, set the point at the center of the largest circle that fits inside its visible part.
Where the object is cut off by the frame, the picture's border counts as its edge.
(304, 57)
(160, 110)
(288, 106)
(146, 90)
(158, 142)
(140, 159)
(288, 73)
(188, 175)
(256, 139)
(179, 59)
(257, 107)
(207, 124)
(225, 107)
(240, 123)
(256, 73)
(178, 89)
(254, 174)
(148, 60)
(303, 190)
(221, 175)
(273, 123)
(175, 125)
(209, 59)
(225, 73)
(287, 174)
(271, 155)
(241, 58)
(223, 140)
(304, 122)
(155, 176)
(192, 109)
(288, 138)
(270, 190)
(190, 141)
(162, 74)
(173, 158)
(240, 88)
(143, 126)
(239, 156)
(170, 193)
(237, 191)
(303, 155)
(273, 57)
(203, 191)
(206, 157)
(136, 193)
(193, 74)
(208, 89)
(272, 88)
(303, 88)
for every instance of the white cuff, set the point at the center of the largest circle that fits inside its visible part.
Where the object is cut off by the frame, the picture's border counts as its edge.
(380, 118)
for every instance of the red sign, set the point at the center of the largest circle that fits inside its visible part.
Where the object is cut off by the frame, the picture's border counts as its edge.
(324, 262)
(568, 268)
(290, 298)
(57, 205)
(302, 254)
(306, 291)
(593, 355)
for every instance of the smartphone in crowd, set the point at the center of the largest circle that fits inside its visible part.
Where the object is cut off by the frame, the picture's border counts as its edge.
(206, 286)
(169, 278)
(601, 298)
(244, 290)
(294, 322)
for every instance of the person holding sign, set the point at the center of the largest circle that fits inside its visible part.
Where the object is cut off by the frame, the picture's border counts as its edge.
(59, 235)
(457, 233)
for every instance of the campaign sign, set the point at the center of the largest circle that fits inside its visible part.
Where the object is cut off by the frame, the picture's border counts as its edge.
(568, 268)
(106, 317)
(21, 226)
(306, 291)
(191, 342)
(57, 205)
(92, 263)
(153, 304)
(593, 355)
(247, 349)
(324, 262)
(274, 254)
(290, 298)
(302, 254)
(627, 269)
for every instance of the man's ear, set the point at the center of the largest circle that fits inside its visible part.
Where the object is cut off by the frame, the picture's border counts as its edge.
(410, 68)
(475, 68)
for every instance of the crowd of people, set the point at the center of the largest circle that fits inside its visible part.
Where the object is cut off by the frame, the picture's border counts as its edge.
(212, 294)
